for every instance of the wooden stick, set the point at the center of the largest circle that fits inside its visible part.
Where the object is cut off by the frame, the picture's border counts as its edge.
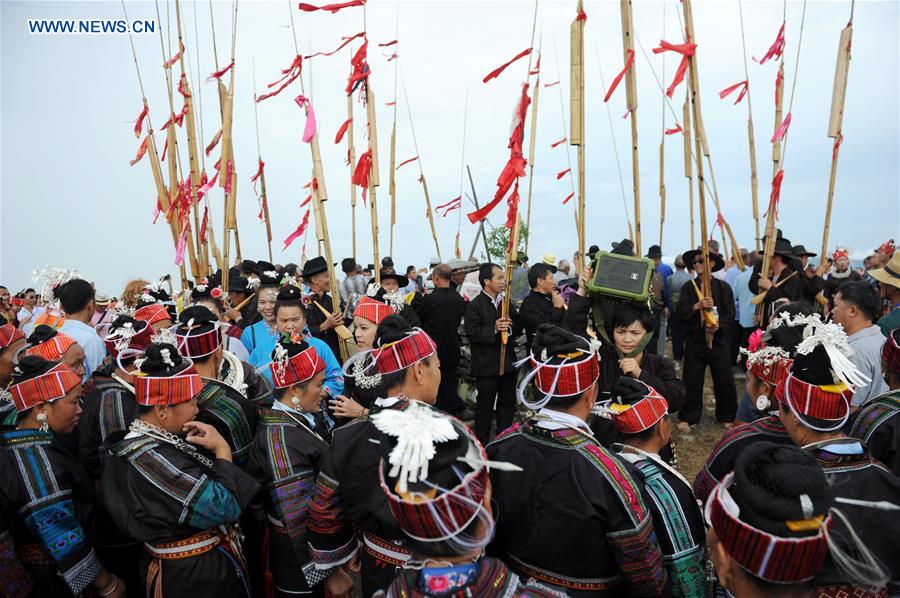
(243, 303)
(487, 251)
(342, 331)
(751, 137)
(351, 157)
(373, 176)
(392, 186)
(631, 93)
(835, 122)
(576, 115)
(263, 197)
(534, 112)
(662, 145)
(779, 109)
(688, 160)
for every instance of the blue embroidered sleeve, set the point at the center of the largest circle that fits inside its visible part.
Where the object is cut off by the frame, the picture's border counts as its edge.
(215, 505)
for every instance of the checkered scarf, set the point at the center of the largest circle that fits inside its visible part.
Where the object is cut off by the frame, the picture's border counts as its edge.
(399, 355)
(52, 349)
(46, 388)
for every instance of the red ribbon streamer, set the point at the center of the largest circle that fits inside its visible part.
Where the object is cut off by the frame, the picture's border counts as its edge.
(450, 206)
(391, 57)
(209, 185)
(558, 143)
(728, 90)
(178, 119)
(214, 142)
(228, 172)
(563, 173)
(837, 143)
(581, 16)
(512, 209)
(777, 47)
(142, 149)
(139, 123)
(537, 67)
(218, 74)
(288, 76)
(258, 174)
(332, 8)
(165, 149)
(389, 104)
(776, 193)
(676, 129)
(782, 130)
(496, 72)
(568, 197)
(298, 231)
(361, 173)
(347, 40)
(168, 64)
(203, 224)
(405, 162)
(546, 85)
(342, 130)
(386, 44)
(686, 50)
(444, 205)
(360, 68)
(618, 79)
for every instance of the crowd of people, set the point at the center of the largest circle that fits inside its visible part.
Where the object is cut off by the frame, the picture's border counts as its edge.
(418, 433)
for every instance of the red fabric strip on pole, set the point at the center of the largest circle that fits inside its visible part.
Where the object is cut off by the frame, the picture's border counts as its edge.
(496, 72)
(618, 79)
(332, 8)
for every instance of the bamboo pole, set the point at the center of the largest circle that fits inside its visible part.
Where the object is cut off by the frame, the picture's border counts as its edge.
(688, 161)
(534, 112)
(662, 146)
(576, 114)
(779, 109)
(487, 251)
(392, 186)
(706, 286)
(631, 93)
(373, 177)
(263, 196)
(835, 121)
(351, 158)
(751, 136)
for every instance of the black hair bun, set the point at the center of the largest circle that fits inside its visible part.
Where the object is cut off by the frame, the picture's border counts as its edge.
(289, 293)
(392, 329)
(200, 314)
(814, 368)
(41, 334)
(31, 366)
(628, 391)
(162, 359)
(556, 340)
(124, 319)
(293, 347)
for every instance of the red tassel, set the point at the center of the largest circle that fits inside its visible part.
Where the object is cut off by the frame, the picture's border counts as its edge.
(728, 90)
(496, 72)
(168, 64)
(342, 130)
(782, 130)
(139, 123)
(214, 142)
(776, 193)
(618, 79)
(686, 50)
(453, 204)
(582, 16)
(389, 104)
(298, 231)
(546, 85)
(558, 143)
(142, 149)
(332, 8)
(386, 44)
(218, 74)
(568, 197)
(258, 174)
(837, 143)
(405, 162)
(563, 173)
(676, 129)
(361, 173)
(777, 47)
(289, 75)
(178, 119)
(347, 40)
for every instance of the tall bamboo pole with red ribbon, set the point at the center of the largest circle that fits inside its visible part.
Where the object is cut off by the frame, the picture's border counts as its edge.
(576, 116)
(535, 94)
(631, 94)
(688, 158)
(261, 175)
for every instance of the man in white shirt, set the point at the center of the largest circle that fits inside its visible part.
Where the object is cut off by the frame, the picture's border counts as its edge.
(76, 298)
(856, 307)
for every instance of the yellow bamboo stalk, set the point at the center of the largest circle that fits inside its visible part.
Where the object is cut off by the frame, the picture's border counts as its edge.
(631, 93)
(576, 114)
(688, 161)
(534, 112)
(835, 121)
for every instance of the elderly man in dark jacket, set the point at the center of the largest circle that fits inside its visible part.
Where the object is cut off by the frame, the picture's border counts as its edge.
(441, 312)
(483, 326)
(543, 305)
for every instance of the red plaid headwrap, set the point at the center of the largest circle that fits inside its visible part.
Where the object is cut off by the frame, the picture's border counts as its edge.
(52, 349)
(199, 345)
(297, 369)
(46, 388)
(772, 558)
(567, 379)
(890, 353)
(821, 402)
(8, 335)
(769, 364)
(372, 310)
(153, 313)
(639, 416)
(170, 390)
(888, 247)
(839, 253)
(399, 355)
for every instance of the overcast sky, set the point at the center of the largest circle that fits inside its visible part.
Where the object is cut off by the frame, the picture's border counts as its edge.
(70, 198)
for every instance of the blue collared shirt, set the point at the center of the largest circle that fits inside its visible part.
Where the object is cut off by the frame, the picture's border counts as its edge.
(90, 342)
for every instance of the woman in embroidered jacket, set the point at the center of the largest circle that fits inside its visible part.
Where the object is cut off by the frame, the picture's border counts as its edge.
(576, 521)
(347, 495)
(49, 495)
(163, 491)
(285, 458)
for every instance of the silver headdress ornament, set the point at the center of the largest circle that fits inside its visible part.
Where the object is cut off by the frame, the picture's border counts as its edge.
(289, 280)
(252, 282)
(123, 310)
(51, 277)
(372, 289)
(396, 300)
(280, 359)
(271, 273)
(832, 337)
(121, 336)
(165, 336)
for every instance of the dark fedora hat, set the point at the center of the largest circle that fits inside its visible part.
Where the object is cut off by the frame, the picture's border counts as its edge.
(248, 266)
(623, 247)
(690, 256)
(654, 251)
(800, 251)
(314, 266)
(400, 279)
(784, 248)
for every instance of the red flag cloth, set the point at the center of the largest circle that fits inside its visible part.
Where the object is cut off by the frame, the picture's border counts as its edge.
(214, 142)
(776, 193)
(512, 208)
(618, 79)
(332, 8)
(728, 90)
(298, 231)
(837, 143)
(203, 224)
(537, 67)
(360, 68)
(782, 130)
(209, 185)
(563, 173)
(168, 64)
(720, 221)
(686, 50)
(139, 123)
(309, 131)
(546, 85)
(178, 119)
(389, 104)
(777, 47)
(568, 197)
(452, 201)
(288, 76)
(218, 74)
(405, 162)
(182, 245)
(347, 40)
(361, 173)
(676, 129)
(181, 86)
(258, 174)
(453, 204)
(142, 149)
(342, 130)
(496, 72)
(306, 201)
(386, 44)
(558, 143)
(581, 16)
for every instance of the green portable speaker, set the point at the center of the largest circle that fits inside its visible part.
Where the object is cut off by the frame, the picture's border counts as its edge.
(622, 276)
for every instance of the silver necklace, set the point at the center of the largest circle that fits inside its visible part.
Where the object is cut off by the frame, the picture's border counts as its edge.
(363, 380)
(139, 426)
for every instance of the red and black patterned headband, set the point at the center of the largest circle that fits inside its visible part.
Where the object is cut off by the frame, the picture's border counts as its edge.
(297, 369)
(201, 344)
(153, 313)
(399, 355)
(372, 310)
(52, 349)
(8, 335)
(45, 388)
(567, 379)
(169, 390)
(639, 416)
(831, 402)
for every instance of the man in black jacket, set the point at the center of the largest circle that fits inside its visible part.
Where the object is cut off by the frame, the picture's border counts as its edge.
(483, 326)
(543, 305)
(441, 312)
(697, 354)
(785, 285)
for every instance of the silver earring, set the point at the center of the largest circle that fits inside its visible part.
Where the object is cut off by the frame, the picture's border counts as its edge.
(42, 418)
(762, 403)
(295, 401)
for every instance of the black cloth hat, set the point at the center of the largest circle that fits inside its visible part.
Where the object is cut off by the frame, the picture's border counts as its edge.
(654, 251)
(401, 279)
(800, 251)
(239, 284)
(688, 257)
(784, 248)
(623, 247)
(348, 264)
(314, 266)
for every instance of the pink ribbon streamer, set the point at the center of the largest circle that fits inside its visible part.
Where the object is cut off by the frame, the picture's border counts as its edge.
(782, 130)
(310, 130)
